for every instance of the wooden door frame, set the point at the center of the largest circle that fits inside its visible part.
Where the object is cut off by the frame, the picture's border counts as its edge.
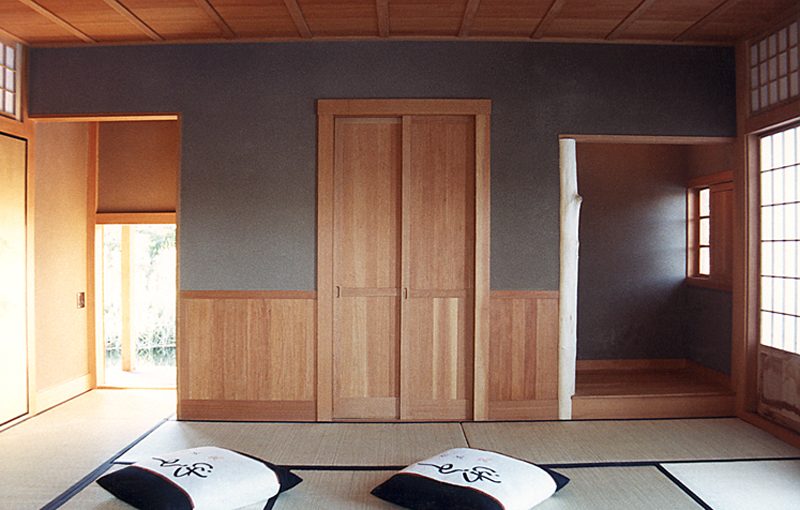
(327, 111)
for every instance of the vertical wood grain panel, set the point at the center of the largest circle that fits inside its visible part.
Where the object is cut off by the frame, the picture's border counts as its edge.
(95, 334)
(366, 267)
(254, 351)
(546, 374)
(405, 271)
(367, 202)
(523, 356)
(441, 202)
(439, 345)
(438, 319)
(722, 233)
(482, 311)
(366, 358)
(324, 359)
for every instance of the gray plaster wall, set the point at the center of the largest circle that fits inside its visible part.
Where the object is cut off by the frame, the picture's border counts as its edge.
(709, 324)
(248, 190)
(631, 302)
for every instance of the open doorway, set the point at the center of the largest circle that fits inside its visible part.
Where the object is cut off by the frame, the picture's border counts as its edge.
(133, 226)
(653, 287)
(135, 275)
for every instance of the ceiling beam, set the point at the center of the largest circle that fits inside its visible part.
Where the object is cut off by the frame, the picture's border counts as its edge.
(716, 11)
(61, 22)
(469, 17)
(630, 19)
(212, 13)
(548, 18)
(134, 19)
(298, 18)
(382, 8)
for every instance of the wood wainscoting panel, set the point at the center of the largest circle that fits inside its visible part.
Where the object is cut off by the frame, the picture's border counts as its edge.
(249, 358)
(523, 355)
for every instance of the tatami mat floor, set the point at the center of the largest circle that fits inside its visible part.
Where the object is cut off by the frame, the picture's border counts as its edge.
(44, 456)
(724, 464)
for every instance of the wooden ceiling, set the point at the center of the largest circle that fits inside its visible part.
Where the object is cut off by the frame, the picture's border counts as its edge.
(68, 22)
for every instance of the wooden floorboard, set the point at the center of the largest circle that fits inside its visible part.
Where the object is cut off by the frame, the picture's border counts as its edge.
(683, 381)
(650, 393)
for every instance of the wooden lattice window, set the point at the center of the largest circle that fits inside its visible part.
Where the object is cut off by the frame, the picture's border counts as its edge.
(774, 68)
(780, 239)
(9, 79)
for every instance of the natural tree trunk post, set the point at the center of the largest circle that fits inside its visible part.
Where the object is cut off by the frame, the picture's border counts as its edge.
(568, 281)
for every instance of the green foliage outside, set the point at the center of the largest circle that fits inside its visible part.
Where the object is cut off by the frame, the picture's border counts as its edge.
(153, 294)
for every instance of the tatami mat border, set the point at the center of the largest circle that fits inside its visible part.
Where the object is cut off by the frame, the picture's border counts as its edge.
(689, 492)
(84, 482)
(356, 422)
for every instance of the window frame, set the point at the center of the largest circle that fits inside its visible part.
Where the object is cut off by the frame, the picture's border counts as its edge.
(760, 274)
(18, 79)
(714, 183)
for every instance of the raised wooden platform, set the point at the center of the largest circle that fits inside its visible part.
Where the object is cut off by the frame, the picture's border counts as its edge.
(650, 389)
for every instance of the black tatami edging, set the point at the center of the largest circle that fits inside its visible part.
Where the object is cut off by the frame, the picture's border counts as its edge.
(84, 482)
(689, 492)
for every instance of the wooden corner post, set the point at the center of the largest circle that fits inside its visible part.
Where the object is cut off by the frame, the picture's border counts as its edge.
(568, 280)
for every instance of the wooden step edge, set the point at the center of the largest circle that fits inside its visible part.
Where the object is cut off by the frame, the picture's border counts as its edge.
(614, 365)
(658, 395)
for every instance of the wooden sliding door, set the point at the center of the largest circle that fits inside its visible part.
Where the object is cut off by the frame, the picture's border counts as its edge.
(13, 342)
(366, 268)
(402, 315)
(439, 267)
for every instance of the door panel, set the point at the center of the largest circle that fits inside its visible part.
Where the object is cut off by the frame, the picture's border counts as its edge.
(440, 203)
(366, 357)
(366, 267)
(438, 339)
(13, 344)
(439, 267)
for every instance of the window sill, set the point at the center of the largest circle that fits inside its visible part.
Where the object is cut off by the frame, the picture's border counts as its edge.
(708, 283)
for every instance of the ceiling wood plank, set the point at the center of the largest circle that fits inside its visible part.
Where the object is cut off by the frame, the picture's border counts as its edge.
(61, 22)
(469, 17)
(548, 18)
(630, 19)
(768, 27)
(9, 37)
(134, 19)
(298, 18)
(716, 11)
(212, 13)
(382, 8)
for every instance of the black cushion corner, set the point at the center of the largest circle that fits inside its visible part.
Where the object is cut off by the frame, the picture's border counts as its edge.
(143, 489)
(421, 493)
